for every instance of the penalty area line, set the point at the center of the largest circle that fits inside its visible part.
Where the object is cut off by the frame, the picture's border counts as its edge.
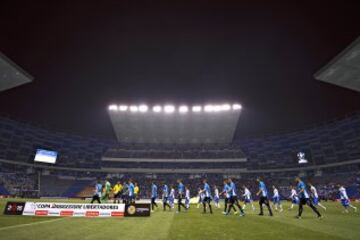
(30, 224)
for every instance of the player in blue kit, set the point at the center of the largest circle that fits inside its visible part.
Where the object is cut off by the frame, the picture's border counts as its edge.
(233, 198)
(181, 192)
(97, 192)
(263, 193)
(207, 199)
(165, 197)
(153, 196)
(130, 192)
(304, 198)
(226, 191)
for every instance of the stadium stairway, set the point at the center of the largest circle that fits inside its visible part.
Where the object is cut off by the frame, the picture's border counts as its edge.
(3, 191)
(88, 191)
(52, 186)
(76, 187)
(353, 192)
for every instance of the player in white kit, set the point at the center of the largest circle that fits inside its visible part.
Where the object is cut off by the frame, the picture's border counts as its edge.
(201, 196)
(247, 198)
(187, 197)
(315, 197)
(345, 201)
(276, 199)
(293, 197)
(172, 197)
(216, 197)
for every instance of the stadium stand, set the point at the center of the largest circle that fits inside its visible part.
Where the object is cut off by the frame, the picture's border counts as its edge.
(18, 142)
(333, 151)
(53, 186)
(87, 191)
(3, 191)
(332, 142)
(76, 188)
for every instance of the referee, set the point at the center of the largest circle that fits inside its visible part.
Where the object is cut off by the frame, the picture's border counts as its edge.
(117, 190)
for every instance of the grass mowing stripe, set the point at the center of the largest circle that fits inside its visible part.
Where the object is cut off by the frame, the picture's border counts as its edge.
(333, 224)
(194, 225)
(30, 224)
(151, 228)
(191, 225)
(313, 227)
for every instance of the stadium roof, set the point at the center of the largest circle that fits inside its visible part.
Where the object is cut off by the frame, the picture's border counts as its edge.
(169, 124)
(11, 75)
(344, 69)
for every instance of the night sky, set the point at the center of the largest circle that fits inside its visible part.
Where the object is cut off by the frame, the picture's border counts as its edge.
(86, 56)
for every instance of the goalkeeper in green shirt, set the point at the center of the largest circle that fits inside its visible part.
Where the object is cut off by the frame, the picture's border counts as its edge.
(106, 191)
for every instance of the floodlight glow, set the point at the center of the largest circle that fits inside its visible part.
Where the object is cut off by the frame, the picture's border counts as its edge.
(157, 109)
(217, 108)
(209, 108)
(196, 108)
(134, 109)
(225, 107)
(143, 108)
(169, 109)
(113, 108)
(236, 106)
(123, 108)
(183, 109)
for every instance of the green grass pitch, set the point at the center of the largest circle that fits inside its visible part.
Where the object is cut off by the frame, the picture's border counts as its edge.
(191, 225)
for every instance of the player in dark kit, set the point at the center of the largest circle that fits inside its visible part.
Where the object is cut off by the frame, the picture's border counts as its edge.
(181, 192)
(263, 193)
(304, 198)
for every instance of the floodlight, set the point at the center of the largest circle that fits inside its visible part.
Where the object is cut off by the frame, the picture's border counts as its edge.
(216, 108)
(113, 107)
(183, 109)
(209, 108)
(225, 107)
(169, 109)
(157, 109)
(123, 108)
(143, 108)
(236, 106)
(134, 108)
(196, 108)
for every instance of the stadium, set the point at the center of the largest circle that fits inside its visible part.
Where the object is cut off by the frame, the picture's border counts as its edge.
(180, 121)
